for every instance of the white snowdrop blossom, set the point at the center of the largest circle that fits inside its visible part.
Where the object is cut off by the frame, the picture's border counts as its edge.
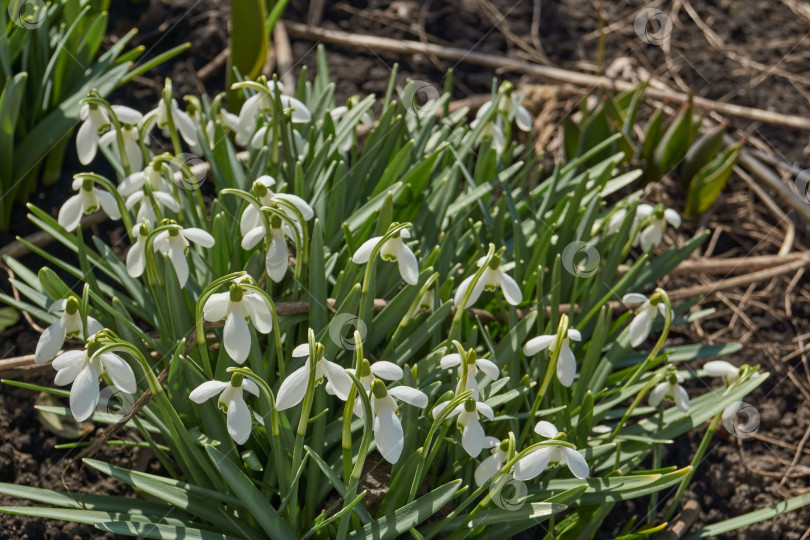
(381, 369)
(652, 234)
(145, 188)
(388, 434)
(533, 464)
(473, 365)
(492, 279)
(523, 119)
(69, 325)
(337, 113)
(472, 433)
(493, 132)
(130, 120)
(671, 389)
(566, 363)
(94, 122)
(181, 120)
(391, 250)
(232, 402)
(259, 103)
(76, 367)
(238, 306)
(494, 463)
(646, 313)
(174, 243)
(88, 199)
(730, 373)
(294, 387)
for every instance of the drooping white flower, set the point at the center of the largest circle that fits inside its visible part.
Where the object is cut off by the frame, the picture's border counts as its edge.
(294, 387)
(721, 368)
(337, 113)
(472, 433)
(473, 365)
(387, 427)
(523, 119)
(652, 235)
(671, 389)
(76, 367)
(645, 315)
(493, 132)
(259, 104)
(492, 279)
(182, 121)
(68, 325)
(381, 369)
(393, 249)
(145, 188)
(237, 306)
(534, 463)
(494, 463)
(175, 244)
(94, 120)
(88, 199)
(566, 363)
(130, 120)
(232, 402)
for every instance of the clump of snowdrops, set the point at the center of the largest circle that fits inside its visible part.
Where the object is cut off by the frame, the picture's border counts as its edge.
(358, 291)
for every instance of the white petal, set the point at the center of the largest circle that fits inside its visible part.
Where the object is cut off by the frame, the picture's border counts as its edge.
(386, 370)
(634, 298)
(408, 265)
(681, 398)
(199, 237)
(301, 350)
(409, 395)
(70, 215)
(510, 288)
(69, 358)
(293, 388)
(300, 113)
(472, 438)
(180, 265)
(546, 429)
(278, 259)
(650, 237)
(534, 464)
(253, 237)
(437, 410)
(486, 410)
(250, 386)
(216, 307)
(237, 337)
(87, 142)
(165, 200)
(462, 289)
(93, 327)
(69, 364)
(50, 342)
(108, 204)
(566, 366)
(388, 434)
(523, 119)
(136, 259)
(576, 463)
(658, 394)
(306, 210)
(126, 115)
(57, 305)
(239, 420)
(260, 314)
(672, 217)
(491, 442)
(251, 218)
(540, 343)
(640, 328)
(489, 368)
(341, 382)
(574, 334)
(84, 394)
(715, 368)
(364, 251)
(450, 361)
(207, 390)
(487, 469)
(120, 372)
(643, 210)
(133, 152)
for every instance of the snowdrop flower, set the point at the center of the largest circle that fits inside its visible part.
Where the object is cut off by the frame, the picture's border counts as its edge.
(393, 249)
(492, 279)
(387, 427)
(473, 365)
(645, 315)
(472, 434)
(232, 402)
(146, 187)
(94, 120)
(136, 256)
(76, 367)
(534, 463)
(264, 137)
(651, 236)
(368, 371)
(88, 199)
(294, 387)
(523, 119)
(251, 224)
(566, 363)
(729, 372)
(491, 465)
(671, 389)
(68, 325)
(260, 102)
(237, 306)
(338, 112)
(492, 132)
(130, 120)
(175, 244)
(182, 121)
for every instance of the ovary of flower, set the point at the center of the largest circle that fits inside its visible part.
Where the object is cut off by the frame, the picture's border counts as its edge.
(645, 315)
(393, 249)
(566, 363)
(653, 233)
(387, 427)
(175, 244)
(94, 120)
(487, 366)
(88, 199)
(472, 434)
(68, 325)
(237, 307)
(232, 402)
(494, 463)
(142, 188)
(368, 371)
(130, 120)
(671, 389)
(76, 367)
(294, 387)
(534, 463)
(492, 279)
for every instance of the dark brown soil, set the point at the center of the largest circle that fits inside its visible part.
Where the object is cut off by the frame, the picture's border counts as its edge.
(759, 59)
